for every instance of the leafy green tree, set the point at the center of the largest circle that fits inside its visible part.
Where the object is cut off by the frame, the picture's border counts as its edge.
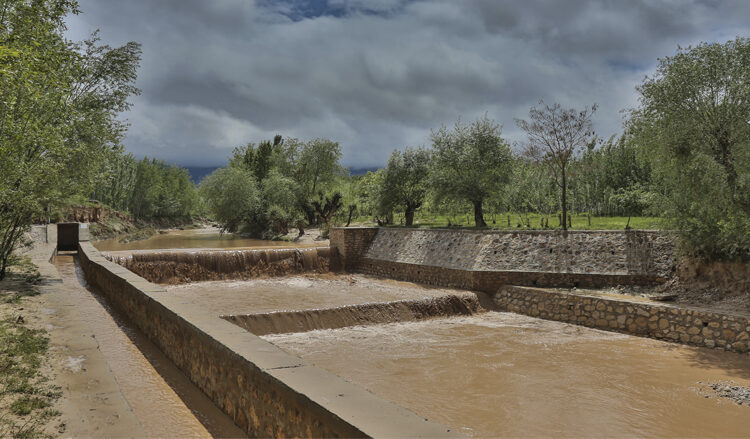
(555, 137)
(601, 172)
(693, 120)
(278, 193)
(232, 196)
(161, 191)
(632, 201)
(371, 198)
(405, 182)
(470, 163)
(59, 112)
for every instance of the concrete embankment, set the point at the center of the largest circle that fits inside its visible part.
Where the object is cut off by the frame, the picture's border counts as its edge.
(176, 267)
(266, 391)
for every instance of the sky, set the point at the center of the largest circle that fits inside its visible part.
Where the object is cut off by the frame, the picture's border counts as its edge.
(378, 75)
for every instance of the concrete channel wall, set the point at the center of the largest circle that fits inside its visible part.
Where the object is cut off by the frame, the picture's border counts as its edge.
(485, 260)
(268, 392)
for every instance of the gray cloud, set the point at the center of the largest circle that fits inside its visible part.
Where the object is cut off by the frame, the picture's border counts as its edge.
(378, 75)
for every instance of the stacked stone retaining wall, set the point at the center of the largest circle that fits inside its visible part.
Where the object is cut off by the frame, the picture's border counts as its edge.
(646, 319)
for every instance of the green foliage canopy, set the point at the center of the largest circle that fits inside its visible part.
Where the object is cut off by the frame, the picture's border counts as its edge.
(471, 163)
(694, 121)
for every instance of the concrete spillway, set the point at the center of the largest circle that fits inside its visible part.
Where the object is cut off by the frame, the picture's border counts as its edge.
(176, 267)
(356, 315)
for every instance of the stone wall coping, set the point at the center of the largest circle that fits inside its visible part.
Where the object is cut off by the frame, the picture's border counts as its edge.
(322, 390)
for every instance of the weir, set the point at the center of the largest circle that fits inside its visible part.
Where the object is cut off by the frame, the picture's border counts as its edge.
(176, 267)
(357, 315)
(447, 354)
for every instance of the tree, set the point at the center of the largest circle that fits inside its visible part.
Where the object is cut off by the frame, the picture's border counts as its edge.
(327, 206)
(555, 136)
(232, 196)
(406, 180)
(278, 195)
(59, 112)
(470, 163)
(317, 166)
(694, 121)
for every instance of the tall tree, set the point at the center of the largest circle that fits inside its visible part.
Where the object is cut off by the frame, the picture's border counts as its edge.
(406, 180)
(470, 163)
(59, 112)
(555, 137)
(693, 119)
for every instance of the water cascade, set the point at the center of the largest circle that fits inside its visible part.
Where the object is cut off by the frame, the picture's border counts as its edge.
(281, 322)
(184, 267)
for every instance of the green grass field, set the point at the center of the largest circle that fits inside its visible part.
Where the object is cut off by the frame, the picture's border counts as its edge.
(532, 222)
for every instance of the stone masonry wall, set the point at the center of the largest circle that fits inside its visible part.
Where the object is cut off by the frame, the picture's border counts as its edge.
(485, 260)
(611, 252)
(646, 319)
(266, 391)
(490, 281)
(348, 245)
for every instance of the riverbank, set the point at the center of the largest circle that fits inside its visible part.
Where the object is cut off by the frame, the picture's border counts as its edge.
(27, 394)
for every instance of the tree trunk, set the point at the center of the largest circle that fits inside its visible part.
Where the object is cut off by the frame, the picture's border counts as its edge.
(351, 212)
(478, 215)
(409, 216)
(564, 200)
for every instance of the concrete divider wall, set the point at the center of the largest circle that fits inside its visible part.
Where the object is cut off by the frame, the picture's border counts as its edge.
(484, 260)
(267, 391)
(645, 319)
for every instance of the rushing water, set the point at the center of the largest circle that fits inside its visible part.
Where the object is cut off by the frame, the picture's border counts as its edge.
(162, 398)
(296, 293)
(198, 238)
(175, 267)
(501, 374)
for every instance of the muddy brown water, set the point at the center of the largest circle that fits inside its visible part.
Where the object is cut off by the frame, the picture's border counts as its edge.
(198, 238)
(296, 293)
(501, 374)
(165, 402)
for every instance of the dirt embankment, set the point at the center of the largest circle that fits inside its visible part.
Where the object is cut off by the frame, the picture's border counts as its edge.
(721, 286)
(106, 223)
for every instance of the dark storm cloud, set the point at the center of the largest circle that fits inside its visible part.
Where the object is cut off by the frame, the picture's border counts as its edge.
(378, 75)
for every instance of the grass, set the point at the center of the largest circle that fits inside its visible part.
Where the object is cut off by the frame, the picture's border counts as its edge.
(533, 222)
(26, 395)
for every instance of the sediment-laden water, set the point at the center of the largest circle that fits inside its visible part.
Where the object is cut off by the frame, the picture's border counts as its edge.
(162, 398)
(198, 238)
(299, 293)
(501, 374)
(174, 267)
(362, 314)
